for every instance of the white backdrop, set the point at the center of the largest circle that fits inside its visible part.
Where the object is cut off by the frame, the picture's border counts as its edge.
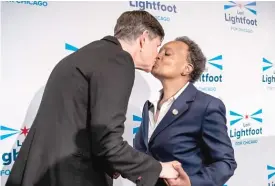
(237, 38)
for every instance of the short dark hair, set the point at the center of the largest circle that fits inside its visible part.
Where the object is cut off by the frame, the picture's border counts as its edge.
(132, 24)
(195, 57)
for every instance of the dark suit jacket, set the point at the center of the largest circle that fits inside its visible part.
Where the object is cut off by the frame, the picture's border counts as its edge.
(76, 137)
(196, 136)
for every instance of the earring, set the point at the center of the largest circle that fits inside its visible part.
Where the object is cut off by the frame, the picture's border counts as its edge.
(182, 74)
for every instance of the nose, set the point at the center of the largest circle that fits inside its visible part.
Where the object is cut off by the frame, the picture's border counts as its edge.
(158, 57)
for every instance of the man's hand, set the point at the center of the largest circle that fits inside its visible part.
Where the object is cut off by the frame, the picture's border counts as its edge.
(182, 180)
(168, 170)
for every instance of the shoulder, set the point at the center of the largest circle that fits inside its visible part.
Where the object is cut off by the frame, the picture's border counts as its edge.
(210, 101)
(112, 55)
(101, 57)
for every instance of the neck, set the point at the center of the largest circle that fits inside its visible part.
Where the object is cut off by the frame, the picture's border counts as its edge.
(128, 47)
(133, 50)
(171, 87)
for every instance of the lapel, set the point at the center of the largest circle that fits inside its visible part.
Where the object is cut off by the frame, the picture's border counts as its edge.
(145, 122)
(179, 107)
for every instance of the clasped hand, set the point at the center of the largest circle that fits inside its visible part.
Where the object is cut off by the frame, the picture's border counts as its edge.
(174, 175)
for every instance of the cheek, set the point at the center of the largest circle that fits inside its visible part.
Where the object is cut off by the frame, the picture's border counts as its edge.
(171, 71)
(163, 66)
(167, 62)
(169, 67)
(150, 56)
(153, 51)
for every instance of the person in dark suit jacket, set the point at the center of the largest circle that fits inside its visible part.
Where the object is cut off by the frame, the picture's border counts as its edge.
(185, 124)
(76, 137)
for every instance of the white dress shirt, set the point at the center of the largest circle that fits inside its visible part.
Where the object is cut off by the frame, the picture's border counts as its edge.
(163, 110)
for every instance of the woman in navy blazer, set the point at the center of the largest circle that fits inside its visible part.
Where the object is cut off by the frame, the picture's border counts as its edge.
(185, 124)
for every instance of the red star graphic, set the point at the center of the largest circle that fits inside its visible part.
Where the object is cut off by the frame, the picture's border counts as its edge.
(246, 116)
(25, 131)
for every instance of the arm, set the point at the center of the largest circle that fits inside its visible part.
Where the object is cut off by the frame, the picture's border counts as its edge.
(138, 139)
(218, 147)
(110, 89)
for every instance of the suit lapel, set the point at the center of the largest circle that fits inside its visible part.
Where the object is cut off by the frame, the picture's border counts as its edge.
(179, 107)
(145, 122)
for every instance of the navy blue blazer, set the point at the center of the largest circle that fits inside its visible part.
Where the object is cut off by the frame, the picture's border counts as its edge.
(196, 137)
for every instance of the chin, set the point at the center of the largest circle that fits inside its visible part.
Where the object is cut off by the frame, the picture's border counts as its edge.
(147, 69)
(143, 69)
(155, 73)
(158, 75)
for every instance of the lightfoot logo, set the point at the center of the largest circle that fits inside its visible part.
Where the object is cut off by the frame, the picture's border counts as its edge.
(136, 119)
(32, 3)
(212, 77)
(245, 125)
(241, 16)
(268, 74)
(8, 159)
(161, 11)
(8, 132)
(271, 175)
(70, 47)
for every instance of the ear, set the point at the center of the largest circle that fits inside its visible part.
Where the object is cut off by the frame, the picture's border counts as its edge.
(188, 69)
(143, 38)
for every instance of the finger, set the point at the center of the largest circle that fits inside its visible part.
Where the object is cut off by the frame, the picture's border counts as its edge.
(181, 172)
(176, 163)
(171, 182)
(166, 182)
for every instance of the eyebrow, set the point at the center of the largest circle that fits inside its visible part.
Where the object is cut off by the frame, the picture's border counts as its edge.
(166, 48)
